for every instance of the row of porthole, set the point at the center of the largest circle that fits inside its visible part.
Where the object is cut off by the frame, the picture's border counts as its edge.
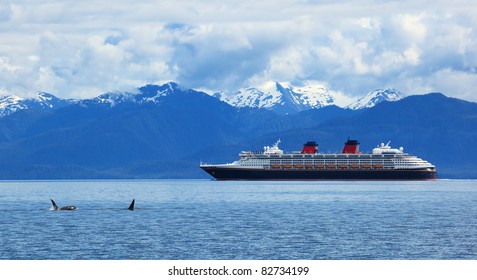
(327, 166)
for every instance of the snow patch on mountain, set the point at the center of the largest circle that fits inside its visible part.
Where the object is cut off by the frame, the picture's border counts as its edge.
(265, 97)
(110, 98)
(145, 94)
(375, 97)
(154, 93)
(317, 95)
(11, 103)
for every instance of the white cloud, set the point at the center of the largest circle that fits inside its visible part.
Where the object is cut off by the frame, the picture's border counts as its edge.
(47, 79)
(6, 66)
(412, 55)
(88, 47)
(463, 84)
(413, 26)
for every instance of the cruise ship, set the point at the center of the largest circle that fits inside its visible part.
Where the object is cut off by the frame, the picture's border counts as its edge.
(383, 163)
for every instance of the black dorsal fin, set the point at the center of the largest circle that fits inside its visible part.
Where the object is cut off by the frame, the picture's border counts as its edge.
(55, 207)
(131, 206)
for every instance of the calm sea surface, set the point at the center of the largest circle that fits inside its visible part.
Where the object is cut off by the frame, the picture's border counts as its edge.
(202, 219)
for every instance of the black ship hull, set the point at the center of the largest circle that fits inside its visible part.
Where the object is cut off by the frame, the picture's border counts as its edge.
(220, 173)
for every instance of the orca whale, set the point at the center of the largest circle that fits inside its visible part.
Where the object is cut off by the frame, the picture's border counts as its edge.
(131, 206)
(55, 207)
(71, 207)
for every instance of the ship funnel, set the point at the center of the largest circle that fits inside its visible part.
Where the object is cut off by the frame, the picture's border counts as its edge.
(351, 147)
(310, 147)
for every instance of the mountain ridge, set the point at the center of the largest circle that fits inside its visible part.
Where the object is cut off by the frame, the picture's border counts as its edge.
(281, 98)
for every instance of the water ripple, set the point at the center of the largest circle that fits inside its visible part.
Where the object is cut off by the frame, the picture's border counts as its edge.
(198, 219)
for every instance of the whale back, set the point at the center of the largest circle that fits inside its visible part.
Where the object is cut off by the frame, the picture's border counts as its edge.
(55, 207)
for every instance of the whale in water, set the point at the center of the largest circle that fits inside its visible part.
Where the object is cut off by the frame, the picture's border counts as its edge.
(71, 207)
(55, 207)
(131, 206)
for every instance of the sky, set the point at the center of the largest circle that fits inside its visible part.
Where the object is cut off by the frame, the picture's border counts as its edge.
(80, 49)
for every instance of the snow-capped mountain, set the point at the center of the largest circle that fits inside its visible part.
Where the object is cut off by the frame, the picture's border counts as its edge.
(281, 97)
(375, 97)
(146, 94)
(12, 103)
(285, 98)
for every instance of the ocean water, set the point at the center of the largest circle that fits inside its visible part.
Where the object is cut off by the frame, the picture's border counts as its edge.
(204, 219)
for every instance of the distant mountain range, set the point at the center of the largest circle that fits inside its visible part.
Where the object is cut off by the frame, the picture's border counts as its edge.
(273, 96)
(164, 131)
